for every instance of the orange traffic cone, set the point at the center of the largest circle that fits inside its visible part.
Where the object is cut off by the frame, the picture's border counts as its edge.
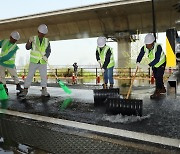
(98, 79)
(73, 79)
(152, 78)
(23, 77)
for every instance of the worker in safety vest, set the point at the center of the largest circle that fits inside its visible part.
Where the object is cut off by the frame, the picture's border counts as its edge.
(40, 51)
(105, 58)
(7, 59)
(157, 60)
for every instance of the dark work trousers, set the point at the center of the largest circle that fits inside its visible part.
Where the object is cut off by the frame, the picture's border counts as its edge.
(158, 75)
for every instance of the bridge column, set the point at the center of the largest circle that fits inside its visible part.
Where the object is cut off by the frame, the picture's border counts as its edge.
(124, 53)
(124, 59)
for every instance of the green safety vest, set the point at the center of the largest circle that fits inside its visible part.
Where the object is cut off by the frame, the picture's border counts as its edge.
(151, 55)
(102, 55)
(5, 49)
(38, 50)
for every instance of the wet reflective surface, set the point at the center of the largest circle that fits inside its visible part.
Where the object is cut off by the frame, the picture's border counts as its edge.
(79, 106)
(8, 146)
(59, 139)
(55, 139)
(160, 117)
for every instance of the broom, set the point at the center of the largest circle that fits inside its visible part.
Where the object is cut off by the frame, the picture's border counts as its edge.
(61, 84)
(66, 103)
(125, 106)
(3, 94)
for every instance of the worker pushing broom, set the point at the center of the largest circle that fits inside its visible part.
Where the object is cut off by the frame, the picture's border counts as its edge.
(157, 61)
(37, 62)
(7, 63)
(40, 52)
(105, 58)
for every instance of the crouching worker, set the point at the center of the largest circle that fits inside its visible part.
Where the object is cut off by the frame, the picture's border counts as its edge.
(40, 51)
(157, 62)
(7, 59)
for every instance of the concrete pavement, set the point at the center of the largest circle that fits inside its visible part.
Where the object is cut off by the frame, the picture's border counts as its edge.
(160, 123)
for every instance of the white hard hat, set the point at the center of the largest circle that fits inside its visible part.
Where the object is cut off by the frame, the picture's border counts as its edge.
(101, 41)
(43, 29)
(15, 35)
(149, 39)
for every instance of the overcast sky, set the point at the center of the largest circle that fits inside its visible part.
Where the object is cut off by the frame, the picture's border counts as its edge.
(15, 8)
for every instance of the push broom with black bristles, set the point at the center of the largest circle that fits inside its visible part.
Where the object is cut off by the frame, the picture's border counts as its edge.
(100, 95)
(117, 105)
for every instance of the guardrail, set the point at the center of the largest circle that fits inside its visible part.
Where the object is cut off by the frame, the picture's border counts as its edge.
(121, 73)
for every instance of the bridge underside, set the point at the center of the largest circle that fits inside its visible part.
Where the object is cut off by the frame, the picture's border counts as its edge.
(112, 19)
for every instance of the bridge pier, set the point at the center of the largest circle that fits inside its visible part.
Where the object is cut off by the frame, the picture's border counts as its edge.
(124, 52)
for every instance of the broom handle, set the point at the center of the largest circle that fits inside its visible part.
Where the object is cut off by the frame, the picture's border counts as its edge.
(52, 70)
(131, 83)
(47, 62)
(102, 73)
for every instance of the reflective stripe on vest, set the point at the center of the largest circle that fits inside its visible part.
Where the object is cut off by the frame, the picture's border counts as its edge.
(35, 56)
(5, 49)
(151, 55)
(102, 55)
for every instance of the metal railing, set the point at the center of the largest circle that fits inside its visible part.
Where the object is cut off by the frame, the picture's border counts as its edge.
(121, 73)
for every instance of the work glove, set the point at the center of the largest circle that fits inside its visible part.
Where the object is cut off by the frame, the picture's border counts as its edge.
(99, 63)
(138, 65)
(31, 39)
(45, 58)
(142, 66)
(102, 70)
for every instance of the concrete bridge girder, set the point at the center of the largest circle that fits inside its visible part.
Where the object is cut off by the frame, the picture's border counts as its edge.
(109, 19)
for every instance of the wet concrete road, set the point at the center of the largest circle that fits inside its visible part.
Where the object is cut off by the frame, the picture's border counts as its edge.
(160, 117)
(56, 139)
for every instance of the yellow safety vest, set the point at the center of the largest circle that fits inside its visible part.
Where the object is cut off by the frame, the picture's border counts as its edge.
(5, 49)
(151, 55)
(102, 55)
(38, 50)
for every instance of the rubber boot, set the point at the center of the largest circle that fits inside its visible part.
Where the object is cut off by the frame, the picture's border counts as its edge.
(163, 90)
(18, 87)
(23, 93)
(44, 92)
(111, 86)
(156, 94)
(105, 86)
